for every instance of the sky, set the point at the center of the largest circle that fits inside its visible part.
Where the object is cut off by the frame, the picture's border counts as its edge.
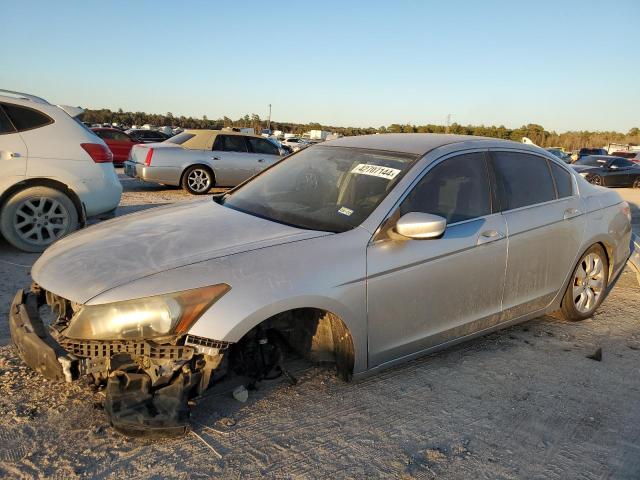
(566, 65)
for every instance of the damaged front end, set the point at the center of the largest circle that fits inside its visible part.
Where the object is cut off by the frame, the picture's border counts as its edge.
(148, 383)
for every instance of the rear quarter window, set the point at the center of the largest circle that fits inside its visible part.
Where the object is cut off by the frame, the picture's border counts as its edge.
(24, 118)
(562, 178)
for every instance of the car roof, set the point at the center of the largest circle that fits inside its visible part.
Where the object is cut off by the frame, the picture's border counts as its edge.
(220, 132)
(413, 143)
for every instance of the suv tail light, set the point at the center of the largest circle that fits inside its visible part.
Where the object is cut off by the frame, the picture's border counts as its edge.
(147, 160)
(98, 153)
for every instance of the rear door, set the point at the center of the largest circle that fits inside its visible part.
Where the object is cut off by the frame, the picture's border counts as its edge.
(545, 225)
(232, 163)
(13, 153)
(264, 153)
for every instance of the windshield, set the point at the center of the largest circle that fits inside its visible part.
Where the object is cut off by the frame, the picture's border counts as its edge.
(322, 188)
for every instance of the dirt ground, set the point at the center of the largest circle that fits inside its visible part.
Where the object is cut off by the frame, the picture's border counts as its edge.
(525, 402)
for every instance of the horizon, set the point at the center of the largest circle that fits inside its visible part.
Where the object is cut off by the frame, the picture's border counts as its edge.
(356, 65)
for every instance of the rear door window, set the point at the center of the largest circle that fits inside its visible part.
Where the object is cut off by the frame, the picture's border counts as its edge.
(562, 179)
(522, 179)
(456, 189)
(24, 118)
(265, 147)
(230, 143)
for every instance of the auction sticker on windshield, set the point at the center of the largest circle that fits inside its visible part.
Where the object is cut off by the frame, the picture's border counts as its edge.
(376, 171)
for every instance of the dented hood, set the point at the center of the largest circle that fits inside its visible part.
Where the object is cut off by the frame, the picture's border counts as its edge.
(118, 251)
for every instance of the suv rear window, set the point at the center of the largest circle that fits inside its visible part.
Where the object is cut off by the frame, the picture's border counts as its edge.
(5, 124)
(24, 118)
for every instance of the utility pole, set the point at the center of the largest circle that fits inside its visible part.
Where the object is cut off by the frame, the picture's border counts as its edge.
(269, 121)
(448, 122)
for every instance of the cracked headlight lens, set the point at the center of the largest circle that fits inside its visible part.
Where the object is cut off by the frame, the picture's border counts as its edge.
(144, 318)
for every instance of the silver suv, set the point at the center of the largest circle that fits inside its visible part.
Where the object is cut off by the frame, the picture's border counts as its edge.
(54, 172)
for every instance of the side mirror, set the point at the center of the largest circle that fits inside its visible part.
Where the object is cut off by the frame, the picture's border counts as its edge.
(418, 225)
(613, 167)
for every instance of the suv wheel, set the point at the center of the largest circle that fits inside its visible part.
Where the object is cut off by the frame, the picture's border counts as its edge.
(34, 218)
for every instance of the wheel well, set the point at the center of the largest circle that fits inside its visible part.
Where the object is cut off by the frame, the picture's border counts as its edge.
(46, 182)
(608, 251)
(206, 167)
(317, 335)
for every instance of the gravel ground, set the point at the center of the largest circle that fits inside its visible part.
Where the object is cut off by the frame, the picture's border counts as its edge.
(525, 402)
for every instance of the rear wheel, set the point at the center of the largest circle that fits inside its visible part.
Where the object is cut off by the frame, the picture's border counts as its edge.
(588, 285)
(197, 180)
(636, 183)
(34, 218)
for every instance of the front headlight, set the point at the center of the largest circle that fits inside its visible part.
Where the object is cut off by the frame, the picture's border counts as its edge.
(144, 318)
(584, 174)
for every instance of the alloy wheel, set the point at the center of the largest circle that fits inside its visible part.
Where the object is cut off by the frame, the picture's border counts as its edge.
(588, 283)
(199, 180)
(41, 221)
(596, 180)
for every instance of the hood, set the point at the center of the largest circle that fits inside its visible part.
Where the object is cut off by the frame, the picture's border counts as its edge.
(118, 251)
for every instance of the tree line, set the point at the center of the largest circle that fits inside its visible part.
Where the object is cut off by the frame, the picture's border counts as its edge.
(570, 140)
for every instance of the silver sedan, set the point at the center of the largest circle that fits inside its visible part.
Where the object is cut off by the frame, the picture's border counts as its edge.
(364, 251)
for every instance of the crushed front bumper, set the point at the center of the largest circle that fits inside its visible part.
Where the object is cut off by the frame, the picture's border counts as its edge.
(138, 403)
(35, 345)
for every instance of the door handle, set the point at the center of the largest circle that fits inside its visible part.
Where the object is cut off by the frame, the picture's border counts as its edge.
(261, 160)
(571, 212)
(489, 236)
(215, 158)
(8, 155)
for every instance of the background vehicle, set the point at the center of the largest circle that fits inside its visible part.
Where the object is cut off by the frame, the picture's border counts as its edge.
(585, 152)
(54, 172)
(295, 143)
(366, 252)
(565, 157)
(609, 171)
(147, 136)
(198, 160)
(118, 142)
(632, 156)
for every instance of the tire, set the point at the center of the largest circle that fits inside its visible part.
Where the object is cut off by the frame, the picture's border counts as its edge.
(588, 285)
(636, 183)
(596, 180)
(197, 180)
(34, 218)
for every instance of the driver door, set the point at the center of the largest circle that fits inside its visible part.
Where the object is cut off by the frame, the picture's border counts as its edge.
(423, 293)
